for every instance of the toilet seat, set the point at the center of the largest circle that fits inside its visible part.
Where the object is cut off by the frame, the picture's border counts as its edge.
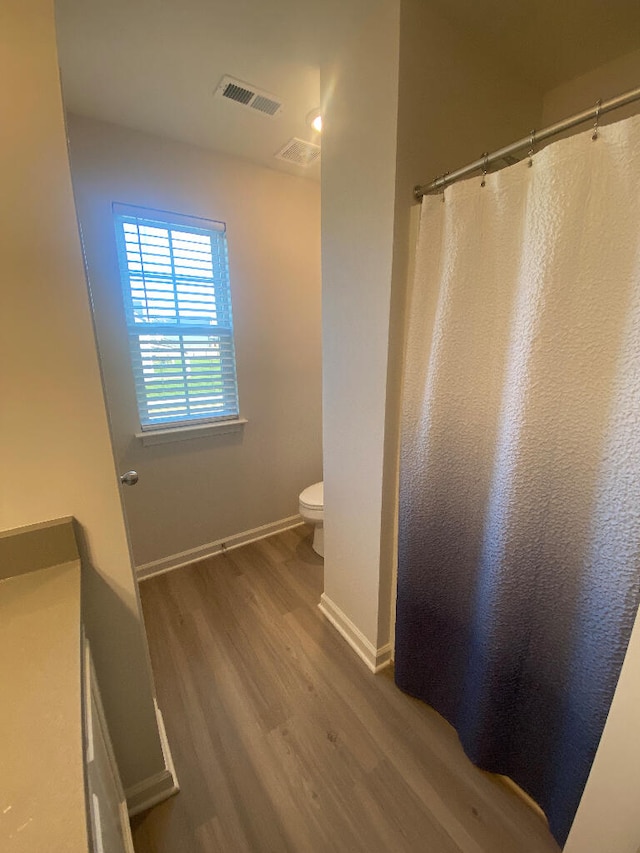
(313, 497)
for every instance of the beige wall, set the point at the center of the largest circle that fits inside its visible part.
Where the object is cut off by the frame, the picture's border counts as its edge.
(608, 817)
(359, 96)
(55, 452)
(198, 491)
(604, 82)
(453, 102)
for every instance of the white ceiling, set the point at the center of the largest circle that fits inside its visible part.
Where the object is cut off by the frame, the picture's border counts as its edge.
(155, 64)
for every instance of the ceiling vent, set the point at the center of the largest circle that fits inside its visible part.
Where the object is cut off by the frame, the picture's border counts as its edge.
(248, 96)
(299, 152)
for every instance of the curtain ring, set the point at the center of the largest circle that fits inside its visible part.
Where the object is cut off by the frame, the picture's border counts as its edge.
(444, 185)
(485, 167)
(532, 149)
(594, 135)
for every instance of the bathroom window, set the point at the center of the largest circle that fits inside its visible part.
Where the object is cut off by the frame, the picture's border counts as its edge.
(175, 282)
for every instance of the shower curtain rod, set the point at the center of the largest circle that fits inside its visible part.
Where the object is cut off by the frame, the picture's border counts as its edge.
(527, 142)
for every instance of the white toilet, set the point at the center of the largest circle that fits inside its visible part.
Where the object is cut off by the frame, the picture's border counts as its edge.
(312, 511)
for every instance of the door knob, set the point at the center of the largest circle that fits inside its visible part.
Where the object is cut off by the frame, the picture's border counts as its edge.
(129, 479)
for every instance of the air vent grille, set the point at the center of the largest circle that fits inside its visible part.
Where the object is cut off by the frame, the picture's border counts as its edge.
(237, 93)
(248, 96)
(299, 152)
(265, 105)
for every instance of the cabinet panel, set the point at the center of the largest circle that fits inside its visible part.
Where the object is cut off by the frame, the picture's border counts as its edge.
(109, 824)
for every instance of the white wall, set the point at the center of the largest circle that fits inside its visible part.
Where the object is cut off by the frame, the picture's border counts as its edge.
(453, 101)
(55, 451)
(359, 97)
(199, 491)
(608, 817)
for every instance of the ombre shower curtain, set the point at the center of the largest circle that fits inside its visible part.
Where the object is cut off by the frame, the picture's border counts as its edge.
(520, 465)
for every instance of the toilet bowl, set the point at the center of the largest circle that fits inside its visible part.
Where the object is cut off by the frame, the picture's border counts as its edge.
(311, 505)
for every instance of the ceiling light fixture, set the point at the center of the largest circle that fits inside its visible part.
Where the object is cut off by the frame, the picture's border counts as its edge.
(314, 120)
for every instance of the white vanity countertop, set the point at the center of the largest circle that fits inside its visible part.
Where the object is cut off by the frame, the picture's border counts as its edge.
(42, 796)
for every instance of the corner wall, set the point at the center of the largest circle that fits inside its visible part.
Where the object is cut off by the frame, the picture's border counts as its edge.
(55, 449)
(455, 101)
(582, 92)
(409, 97)
(359, 98)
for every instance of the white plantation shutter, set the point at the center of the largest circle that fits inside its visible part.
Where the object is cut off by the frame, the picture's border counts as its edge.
(175, 281)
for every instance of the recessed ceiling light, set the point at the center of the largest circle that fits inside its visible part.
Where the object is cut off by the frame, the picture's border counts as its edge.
(314, 120)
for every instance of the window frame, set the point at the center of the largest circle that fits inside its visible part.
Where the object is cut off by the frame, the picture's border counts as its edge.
(182, 330)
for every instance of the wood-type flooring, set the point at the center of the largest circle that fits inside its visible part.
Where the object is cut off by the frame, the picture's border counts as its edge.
(283, 740)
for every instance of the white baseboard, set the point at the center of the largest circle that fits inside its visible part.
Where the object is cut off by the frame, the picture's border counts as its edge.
(158, 787)
(185, 558)
(375, 659)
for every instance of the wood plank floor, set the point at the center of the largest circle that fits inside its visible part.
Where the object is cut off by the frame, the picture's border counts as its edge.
(284, 741)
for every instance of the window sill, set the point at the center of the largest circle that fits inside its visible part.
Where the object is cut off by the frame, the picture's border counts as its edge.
(184, 433)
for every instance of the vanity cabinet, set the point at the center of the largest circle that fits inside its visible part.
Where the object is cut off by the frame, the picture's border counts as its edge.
(60, 791)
